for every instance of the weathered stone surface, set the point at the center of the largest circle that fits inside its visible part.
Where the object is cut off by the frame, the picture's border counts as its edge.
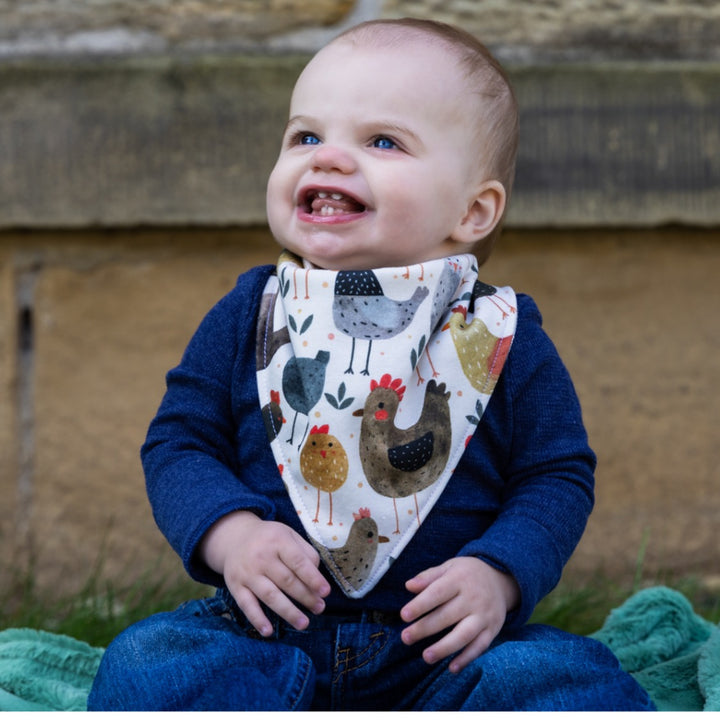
(9, 478)
(165, 141)
(149, 141)
(124, 25)
(108, 327)
(618, 145)
(517, 29)
(631, 314)
(580, 29)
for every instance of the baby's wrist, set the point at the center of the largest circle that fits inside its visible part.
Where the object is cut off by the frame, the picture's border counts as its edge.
(221, 538)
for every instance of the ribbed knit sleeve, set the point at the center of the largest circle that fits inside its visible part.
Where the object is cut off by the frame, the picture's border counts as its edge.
(546, 463)
(189, 456)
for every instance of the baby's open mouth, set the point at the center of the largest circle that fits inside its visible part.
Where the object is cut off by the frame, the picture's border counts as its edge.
(326, 204)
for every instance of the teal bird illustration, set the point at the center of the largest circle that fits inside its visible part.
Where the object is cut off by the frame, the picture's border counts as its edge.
(303, 381)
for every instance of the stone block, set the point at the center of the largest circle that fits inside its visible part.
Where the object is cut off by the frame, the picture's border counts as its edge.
(9, 511)
(191, 141)
(125, 26)
(631, 315)
(617, 145)
(579, 30)
(152, 141)
(109, 324)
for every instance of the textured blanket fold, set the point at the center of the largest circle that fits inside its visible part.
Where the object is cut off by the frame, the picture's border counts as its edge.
(669, 649)
(42, 671)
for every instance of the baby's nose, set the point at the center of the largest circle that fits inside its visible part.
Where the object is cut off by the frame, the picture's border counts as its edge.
(329, 158)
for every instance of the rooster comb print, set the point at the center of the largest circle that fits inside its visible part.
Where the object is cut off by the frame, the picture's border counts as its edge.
(322, 430)
(386, 381)
(362, 513)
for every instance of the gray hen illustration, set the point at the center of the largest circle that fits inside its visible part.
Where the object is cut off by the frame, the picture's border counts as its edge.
(362, 311)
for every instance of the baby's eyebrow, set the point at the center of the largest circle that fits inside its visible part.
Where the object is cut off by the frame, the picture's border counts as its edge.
(390, 126)
(297, 120)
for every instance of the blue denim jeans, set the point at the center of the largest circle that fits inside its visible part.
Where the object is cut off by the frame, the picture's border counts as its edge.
(205, 656)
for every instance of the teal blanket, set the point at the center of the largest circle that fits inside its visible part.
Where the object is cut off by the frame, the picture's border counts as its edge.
(43, 671)
(669, 649)
(658, 638)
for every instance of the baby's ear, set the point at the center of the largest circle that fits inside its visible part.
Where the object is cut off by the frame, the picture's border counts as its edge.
(484, 213)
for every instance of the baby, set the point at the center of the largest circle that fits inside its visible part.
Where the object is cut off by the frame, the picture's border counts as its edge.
(377, 458)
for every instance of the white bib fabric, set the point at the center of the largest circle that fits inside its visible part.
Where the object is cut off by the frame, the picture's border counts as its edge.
(371, 383)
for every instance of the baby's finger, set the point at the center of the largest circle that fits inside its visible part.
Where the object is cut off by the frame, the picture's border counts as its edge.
(432, 597)
(418, 583)
(430, 624)
(293, 587)
(467, 635)
(471, 652)
(303, 566)
(250, 607)
(275, 598)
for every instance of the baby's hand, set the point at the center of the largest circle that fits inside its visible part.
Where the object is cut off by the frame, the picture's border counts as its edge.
(266, 561)
(464, 594)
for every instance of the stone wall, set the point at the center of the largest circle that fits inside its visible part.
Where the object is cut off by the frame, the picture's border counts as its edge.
(134, 147)
(531, 30)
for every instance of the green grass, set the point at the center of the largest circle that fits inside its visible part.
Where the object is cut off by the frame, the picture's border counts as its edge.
(582, 608)
(101, 609)
(97, 612)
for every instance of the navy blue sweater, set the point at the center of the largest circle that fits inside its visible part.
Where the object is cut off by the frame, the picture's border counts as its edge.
(519, 498)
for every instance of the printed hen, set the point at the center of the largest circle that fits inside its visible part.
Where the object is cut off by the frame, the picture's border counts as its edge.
(480, 352)
(272, 416)
(324, 464)
(400, 462)
(303, 381)
(355, 558)
(362, 311)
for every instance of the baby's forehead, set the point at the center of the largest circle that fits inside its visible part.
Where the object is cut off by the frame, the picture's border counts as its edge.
(389, 37)
(416, 52)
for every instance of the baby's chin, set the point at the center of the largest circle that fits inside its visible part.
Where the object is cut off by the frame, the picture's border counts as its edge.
(329, 253)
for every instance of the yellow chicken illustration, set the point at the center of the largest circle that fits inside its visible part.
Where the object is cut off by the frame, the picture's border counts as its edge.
(323, 464)
(481, 353)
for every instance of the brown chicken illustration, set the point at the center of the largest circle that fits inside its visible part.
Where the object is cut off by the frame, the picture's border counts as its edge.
(324, 464)
(400, 462)
(355, 558)
(481, 353)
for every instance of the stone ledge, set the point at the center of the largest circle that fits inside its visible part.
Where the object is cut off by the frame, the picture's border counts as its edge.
(190, 140)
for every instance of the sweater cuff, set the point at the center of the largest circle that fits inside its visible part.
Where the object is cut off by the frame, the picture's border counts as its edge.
(536, 566)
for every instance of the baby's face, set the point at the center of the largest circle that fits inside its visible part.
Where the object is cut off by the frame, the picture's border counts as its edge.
(378, 163)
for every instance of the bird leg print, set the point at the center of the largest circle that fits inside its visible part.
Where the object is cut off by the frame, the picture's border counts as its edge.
(365, 446)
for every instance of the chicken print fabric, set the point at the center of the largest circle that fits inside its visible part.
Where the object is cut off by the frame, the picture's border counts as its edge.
(371, 383)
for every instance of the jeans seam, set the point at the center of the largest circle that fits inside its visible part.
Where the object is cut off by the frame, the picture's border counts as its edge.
(307, 676)
(339, 673)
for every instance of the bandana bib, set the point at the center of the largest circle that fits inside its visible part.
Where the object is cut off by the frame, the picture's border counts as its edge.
(371, 383)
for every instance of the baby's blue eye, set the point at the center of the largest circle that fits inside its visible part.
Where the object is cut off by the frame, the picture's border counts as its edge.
(384, 143)
(309, 139)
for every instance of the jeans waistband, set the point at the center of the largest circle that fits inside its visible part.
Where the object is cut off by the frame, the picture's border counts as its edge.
(330, 615)
(378, 617)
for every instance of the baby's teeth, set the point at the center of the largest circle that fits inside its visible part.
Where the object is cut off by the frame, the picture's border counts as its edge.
(336, 196)
(322, 195)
